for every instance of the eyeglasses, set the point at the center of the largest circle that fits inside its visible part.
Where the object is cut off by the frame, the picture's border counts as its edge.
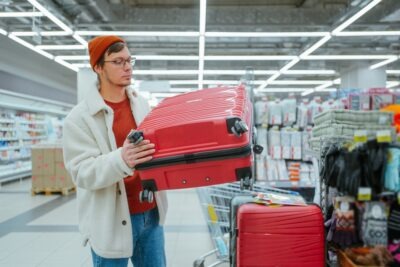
(120, 62)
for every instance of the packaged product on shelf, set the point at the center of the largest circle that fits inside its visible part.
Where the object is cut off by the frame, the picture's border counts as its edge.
(274, 142)
(275, 112)
(261, 168)
(374, 224)
(296, 143)
(262, 139)
(282, 170)
(261, 108)
(380, 98)
(272, 170)
(302, 114)
(315, 108)
(286, 143)
(289, 110)
(294, 171)
(306, 136)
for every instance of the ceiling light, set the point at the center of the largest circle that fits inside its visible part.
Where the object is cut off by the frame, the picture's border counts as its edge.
(392, 71)
(392, 84)
(140, 33)
(48, 14)
(61, 47)
(28, 45)
(290, 64)
(327, 90)
(298, 82)
(43, 33)
(161, 57)
(283, 90)
(323, 86)
(369, 33)
(309, 72)
(80, 39)
(307, 92)
(66, 64)
(203, 16)
(259, 57)
(73, 57)
(20, 14)
(201, 59)
(3, 32)
(356, 16)
(238, 72)
(181, 90)
(337, 81)
(265, 34)
(165, 72)
(383, 63)
(315, 46)
(270, 79)
(163, 95)
(347, 57)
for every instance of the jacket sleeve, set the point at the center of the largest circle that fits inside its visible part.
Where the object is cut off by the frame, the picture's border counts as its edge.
(88, 167)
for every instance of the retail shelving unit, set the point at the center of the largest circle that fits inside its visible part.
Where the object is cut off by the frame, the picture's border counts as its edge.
(24, 121)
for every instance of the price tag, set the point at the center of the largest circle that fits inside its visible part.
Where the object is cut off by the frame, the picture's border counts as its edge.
(364, 193)
(360, 136)
(212, 214)
(384, 136)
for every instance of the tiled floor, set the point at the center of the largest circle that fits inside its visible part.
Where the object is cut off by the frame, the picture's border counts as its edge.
(41, 231)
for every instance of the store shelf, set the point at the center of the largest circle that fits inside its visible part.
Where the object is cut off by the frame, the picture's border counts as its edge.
(14, 159)
(12, 148)
(7, 121)
(7, 129)
(34, 130)
(32, 122)
(288, 184)
(34, 138)
(8, 176)
(8, 139)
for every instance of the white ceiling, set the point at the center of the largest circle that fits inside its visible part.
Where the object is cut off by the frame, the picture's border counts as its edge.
(289, 44)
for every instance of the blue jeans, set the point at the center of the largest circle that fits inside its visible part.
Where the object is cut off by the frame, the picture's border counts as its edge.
(148, 239)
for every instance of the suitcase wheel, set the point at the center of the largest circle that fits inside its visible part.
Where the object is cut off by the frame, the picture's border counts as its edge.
(146, 195)
(246, 183)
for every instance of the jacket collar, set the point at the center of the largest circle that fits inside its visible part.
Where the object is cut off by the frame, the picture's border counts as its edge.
(96, 102)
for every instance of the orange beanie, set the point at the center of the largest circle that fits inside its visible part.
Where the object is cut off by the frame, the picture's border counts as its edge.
(98, 45)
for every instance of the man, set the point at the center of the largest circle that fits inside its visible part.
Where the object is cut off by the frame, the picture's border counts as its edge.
(101, 162)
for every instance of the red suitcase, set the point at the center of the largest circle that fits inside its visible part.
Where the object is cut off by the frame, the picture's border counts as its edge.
(201, 138)
(284, 236)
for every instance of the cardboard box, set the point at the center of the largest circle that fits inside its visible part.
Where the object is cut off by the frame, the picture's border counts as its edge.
(63, 178)
(49, 182)
(48, 161)
(37, 182)
(37, 161)
(59, 155)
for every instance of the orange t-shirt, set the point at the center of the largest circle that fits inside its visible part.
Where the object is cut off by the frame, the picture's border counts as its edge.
(122, 125)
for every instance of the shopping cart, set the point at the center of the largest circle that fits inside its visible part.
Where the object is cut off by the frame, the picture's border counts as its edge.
(215, 201)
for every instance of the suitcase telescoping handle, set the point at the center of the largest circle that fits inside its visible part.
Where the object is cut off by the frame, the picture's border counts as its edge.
(135, 137)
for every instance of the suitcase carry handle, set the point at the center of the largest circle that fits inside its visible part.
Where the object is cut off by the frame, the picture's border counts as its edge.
(135, 137)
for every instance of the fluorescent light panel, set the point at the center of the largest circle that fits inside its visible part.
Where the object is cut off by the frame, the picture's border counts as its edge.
(356, 16)
(283, 90)
(369, 33)
(61, 47)
(298, 82)
(43, 33)
(66, 64)
(140, 33)
(392, 84)
(80, 39)
(203, 16)
(347, 57)
(307, 92)
(315, 46)
(20, 14)
(3, 32)
(383, 63)
(290, 64)
(266, 58)
(265, 34)
(392, 71)
(48, 14)
(309, 72)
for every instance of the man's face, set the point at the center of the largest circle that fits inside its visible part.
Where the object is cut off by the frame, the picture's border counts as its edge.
(115, 73)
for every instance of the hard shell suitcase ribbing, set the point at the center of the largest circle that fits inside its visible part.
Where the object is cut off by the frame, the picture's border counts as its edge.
(201, 138)
(283, 236)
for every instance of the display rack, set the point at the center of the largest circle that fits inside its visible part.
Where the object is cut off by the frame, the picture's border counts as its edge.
(24, 121)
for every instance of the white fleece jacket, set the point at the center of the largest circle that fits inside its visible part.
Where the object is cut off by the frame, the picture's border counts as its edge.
(97, 169)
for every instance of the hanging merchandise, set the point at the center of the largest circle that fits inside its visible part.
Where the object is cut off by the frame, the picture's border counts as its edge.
(289, 110)
(374, 224)
(392, 177)
(274, 143)
(342, 230)
(394, 223)
(302, 114)
(261, 108)
(286, 143)
(275, 112)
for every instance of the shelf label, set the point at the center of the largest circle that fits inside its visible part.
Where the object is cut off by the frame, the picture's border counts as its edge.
(384, 136)
(360, 136)
(212, 214)
(364, 193)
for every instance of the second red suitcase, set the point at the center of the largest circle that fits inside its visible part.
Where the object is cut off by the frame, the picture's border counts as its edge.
(201, 138)
(284, 236)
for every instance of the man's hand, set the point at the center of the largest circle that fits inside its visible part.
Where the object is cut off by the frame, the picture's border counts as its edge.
(136, 154)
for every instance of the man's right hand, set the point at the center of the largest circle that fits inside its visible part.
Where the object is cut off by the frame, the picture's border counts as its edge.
(136, 154)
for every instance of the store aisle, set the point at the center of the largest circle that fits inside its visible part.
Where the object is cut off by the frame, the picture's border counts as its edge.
(41, 231)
